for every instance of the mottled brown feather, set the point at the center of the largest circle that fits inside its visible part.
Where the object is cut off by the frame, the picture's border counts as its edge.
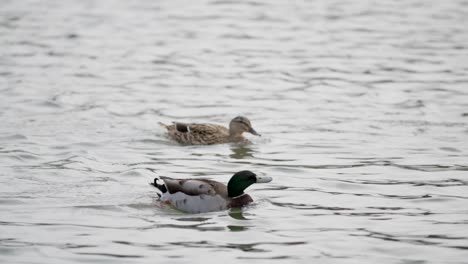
(207, 134)
(200, 134)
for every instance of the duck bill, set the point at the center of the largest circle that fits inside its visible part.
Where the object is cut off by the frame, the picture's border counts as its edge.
(253, 132)
(264, 179)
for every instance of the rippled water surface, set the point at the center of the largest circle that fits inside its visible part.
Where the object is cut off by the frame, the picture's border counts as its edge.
(363, 107)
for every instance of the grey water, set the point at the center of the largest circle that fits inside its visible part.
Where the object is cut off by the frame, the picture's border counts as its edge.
(362, 107)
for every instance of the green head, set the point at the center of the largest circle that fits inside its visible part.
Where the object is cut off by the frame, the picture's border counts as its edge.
(241, 180)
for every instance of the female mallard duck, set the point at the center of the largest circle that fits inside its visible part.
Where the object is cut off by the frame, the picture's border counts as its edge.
(207, 134)
(203, 195)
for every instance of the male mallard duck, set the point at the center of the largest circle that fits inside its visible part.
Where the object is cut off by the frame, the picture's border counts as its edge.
(203, 195)
(207, 134)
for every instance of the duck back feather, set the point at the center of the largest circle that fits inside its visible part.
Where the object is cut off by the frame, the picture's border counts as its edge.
(198, 134)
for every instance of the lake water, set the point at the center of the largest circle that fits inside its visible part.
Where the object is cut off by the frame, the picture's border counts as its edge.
(362, 107)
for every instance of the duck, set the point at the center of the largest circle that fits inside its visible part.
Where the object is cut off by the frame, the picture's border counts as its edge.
(208, 134)
(205, 195)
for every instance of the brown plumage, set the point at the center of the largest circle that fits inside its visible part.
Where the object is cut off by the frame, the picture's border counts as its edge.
(207, 134)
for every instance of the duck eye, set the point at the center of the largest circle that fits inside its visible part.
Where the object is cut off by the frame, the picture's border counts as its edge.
(252, 178)
(243, 123)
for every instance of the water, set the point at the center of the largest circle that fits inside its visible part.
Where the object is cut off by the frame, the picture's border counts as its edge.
(363, 107)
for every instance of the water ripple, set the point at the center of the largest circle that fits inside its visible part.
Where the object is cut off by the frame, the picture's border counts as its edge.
(361, 107)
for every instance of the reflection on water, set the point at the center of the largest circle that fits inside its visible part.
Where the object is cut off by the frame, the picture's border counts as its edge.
(237, 214)
(361, 106)
(241, 152)
(234, 228)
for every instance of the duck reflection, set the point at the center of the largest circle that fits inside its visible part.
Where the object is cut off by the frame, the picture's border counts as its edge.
(237, 214)
(234, 228)
(241, 152)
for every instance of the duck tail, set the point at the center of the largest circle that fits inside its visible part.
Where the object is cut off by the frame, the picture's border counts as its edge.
(161, 187)
(163, 125)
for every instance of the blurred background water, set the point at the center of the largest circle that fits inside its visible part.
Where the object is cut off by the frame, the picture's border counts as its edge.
(363, 107)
